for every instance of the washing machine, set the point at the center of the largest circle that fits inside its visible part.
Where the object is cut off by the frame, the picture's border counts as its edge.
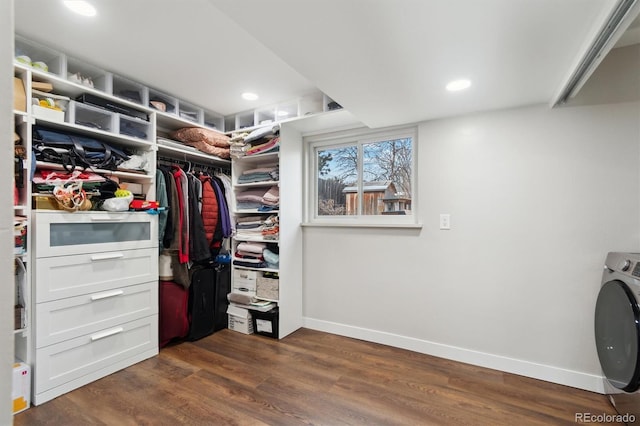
(617, 331)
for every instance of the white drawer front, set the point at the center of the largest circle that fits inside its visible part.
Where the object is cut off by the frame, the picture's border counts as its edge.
(62, 234)
(69, 360)
(75, 316)
(68, 276)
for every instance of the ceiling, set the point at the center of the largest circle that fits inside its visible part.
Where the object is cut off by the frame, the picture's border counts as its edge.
(386, 61)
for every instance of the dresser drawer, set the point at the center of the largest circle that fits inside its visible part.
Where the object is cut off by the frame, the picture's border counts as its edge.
(72, 359)
(62, 234)
(75, 316)
(68, 276)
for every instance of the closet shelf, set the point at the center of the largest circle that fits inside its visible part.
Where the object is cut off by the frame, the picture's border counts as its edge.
(257, 184)
(256, 269)
(188, 155)
(73, 90)
(260, 157)
(168, 122)
(131, 175)
(103, 135)
(256, 240)
(254, 211)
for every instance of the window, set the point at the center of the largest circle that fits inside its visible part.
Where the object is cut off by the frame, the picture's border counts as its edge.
(362, 178)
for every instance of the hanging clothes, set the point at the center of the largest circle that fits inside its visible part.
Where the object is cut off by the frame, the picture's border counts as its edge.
(223, 206)
(183, 217)
(163, 202)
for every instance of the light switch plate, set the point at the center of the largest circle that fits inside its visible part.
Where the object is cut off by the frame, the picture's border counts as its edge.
(445, 221)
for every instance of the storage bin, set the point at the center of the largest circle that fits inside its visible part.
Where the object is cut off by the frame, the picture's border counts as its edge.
(90, 116)
(265, 323)
(240, 319)
(134, 128)
(162, 102)
(130, 90)
(189, 112)
(267, 288)
(49, 114)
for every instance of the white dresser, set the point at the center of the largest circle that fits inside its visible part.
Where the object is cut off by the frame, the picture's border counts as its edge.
(95, 302)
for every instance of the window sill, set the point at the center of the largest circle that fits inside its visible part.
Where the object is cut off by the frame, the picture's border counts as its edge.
(362, 225)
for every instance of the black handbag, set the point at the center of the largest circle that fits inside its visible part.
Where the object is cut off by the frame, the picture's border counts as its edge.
(74, 150)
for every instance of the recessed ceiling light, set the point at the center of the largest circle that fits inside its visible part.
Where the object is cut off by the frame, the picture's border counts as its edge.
(455, 85)
(249, 96)
(81, 7)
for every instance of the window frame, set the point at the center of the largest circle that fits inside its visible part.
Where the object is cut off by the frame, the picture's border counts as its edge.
(359, 138)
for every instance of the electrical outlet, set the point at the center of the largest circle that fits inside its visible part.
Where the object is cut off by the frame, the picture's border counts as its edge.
(445, 221)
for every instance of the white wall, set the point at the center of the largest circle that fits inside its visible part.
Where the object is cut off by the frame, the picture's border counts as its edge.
(537, 198)
(6, 210)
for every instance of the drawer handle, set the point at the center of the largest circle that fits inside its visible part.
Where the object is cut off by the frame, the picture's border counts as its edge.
(106, 334)
(106, 219)
(106, 256)
(107, 295)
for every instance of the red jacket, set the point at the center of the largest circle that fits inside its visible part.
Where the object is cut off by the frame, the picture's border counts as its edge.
(210, 213)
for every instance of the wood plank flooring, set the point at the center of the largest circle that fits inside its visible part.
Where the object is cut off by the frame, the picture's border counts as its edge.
(311, 378)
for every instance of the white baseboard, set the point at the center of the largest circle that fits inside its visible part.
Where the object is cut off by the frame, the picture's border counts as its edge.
(576, 379)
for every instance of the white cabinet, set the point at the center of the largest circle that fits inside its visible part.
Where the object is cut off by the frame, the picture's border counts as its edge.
(96, 296)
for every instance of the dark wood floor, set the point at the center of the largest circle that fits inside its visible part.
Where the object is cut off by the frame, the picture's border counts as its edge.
(310, 378)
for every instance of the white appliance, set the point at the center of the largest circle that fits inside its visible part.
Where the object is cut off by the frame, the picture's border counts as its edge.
(617, 331)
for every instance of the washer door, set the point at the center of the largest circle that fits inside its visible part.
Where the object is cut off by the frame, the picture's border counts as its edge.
(617, 329)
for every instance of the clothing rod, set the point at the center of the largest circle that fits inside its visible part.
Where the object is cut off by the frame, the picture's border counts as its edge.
(170, 161)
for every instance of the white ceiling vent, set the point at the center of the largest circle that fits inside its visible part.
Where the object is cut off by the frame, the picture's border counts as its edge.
(617, 23)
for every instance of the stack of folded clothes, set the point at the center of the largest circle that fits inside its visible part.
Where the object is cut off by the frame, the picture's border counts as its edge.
(259, 200)
(250, 199)
(250, 227)
(271, 228)
(250, 254)
(260, 141)
(271, 198)
(262, 174)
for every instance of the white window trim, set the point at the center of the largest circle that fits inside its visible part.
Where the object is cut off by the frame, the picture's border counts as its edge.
(358, 136)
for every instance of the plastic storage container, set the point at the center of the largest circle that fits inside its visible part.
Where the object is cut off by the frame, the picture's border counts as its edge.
(265, 323)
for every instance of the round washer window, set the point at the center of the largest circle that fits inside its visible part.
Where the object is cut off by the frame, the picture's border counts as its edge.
(617, 330)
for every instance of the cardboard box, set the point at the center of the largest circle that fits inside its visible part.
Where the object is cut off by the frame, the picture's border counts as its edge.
(240, 320)
(19, 95)
(21, 389)
(42, 86)
(244, 282)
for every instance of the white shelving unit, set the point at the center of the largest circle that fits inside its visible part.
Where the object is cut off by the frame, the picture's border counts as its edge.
(81, 77)
(22, 336)
(238, 167)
